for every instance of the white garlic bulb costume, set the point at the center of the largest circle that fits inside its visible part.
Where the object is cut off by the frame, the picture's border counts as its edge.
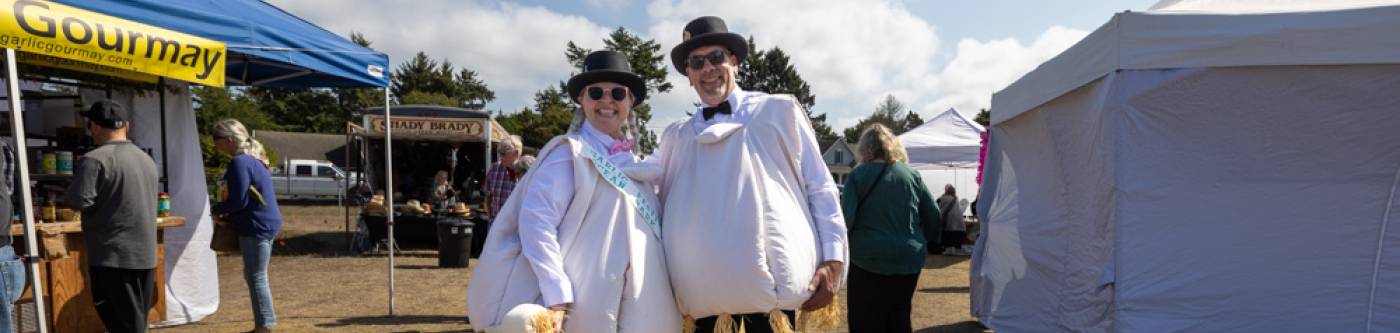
(607, 261)
(750, 208)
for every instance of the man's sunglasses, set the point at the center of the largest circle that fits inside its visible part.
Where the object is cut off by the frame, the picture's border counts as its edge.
(716, 57)
(618, 93)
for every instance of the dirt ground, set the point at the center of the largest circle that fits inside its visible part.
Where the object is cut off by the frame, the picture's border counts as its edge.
(317, 286)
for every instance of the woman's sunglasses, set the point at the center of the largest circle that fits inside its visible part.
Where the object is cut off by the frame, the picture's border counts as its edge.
(716, 57)
(618, 93)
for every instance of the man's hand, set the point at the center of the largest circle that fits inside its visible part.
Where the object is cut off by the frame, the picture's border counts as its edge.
(824, 283)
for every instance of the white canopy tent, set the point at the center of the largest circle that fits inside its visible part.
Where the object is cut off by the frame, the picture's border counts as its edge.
(1200, 167)
(945, 150)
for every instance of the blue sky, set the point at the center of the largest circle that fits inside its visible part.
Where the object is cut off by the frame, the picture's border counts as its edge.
(932, 55)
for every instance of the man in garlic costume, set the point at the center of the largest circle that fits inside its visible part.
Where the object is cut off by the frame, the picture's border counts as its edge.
(752, 227)
(580, 234)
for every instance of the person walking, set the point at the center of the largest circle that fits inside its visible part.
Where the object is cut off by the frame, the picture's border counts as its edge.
(954, 231)
(251, 207)
(887, 208)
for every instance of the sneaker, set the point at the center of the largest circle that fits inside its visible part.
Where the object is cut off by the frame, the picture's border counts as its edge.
(967, 248)
(957, 252)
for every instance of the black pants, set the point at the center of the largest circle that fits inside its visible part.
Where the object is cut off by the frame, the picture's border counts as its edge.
(954, 239)
(753, 322)
(879, 303)
(123, 297)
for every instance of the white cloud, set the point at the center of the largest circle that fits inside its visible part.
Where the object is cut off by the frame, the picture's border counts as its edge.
(852, 52)
(516, 49)
(609, 4)
(855, 52)
(981, 68)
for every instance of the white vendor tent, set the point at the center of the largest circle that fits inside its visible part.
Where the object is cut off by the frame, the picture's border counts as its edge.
(1200, 167)
(944, 150)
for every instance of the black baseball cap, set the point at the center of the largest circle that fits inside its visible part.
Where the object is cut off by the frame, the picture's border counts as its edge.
(106, 113)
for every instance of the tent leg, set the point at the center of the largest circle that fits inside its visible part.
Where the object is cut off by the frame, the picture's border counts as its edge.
(389, 192)
(31, 247)
(345, 193)
(164, 147)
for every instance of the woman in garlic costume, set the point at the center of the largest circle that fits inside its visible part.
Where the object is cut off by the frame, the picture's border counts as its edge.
(581, 233)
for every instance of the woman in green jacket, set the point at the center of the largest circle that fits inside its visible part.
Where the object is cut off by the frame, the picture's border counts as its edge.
(886, 206)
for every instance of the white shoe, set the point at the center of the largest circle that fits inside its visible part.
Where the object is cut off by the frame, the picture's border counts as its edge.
(967, 248)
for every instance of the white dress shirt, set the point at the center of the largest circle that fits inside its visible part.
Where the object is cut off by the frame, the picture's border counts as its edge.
(823, 197)
(543, 210)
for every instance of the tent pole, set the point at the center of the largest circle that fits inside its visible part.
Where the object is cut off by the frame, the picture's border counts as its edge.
(345, 193)
(389, 192)
(164, 149)
(31, 247)
(490, 120)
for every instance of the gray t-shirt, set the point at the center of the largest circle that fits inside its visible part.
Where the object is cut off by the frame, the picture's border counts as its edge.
(116, 186)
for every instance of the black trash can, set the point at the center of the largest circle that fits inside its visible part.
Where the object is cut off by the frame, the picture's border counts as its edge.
(454, 242)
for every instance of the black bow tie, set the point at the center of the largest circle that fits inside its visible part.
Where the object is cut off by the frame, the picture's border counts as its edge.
(721, 108)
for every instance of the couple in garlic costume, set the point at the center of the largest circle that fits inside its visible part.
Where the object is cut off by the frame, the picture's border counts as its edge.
(733, 224)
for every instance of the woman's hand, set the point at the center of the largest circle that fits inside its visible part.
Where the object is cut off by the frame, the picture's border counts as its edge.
(558, 312)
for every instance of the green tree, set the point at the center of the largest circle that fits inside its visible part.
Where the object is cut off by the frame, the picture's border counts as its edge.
(311, 110)
(647, 60)
(214, 105)
(984, 117)
(888, 113)
(912, 120)
(771, 71)
(551, 116)
(352, 100)
(422, 74)
(428, 98)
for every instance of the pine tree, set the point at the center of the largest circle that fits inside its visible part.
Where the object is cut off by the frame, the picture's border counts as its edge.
(439, 83)
(888, 113)
(984, 117)
(647, 60)
(771, 71)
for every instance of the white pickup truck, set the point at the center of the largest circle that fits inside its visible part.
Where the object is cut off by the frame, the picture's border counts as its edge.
(309, 179)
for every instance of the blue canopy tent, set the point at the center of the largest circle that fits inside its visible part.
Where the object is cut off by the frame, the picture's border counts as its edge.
(267, 47)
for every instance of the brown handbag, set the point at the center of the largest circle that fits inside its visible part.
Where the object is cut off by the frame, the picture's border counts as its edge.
(225, 237)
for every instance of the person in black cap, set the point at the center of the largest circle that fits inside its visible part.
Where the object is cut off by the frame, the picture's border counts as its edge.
(590, 250)
(115, 186)
(753, 228)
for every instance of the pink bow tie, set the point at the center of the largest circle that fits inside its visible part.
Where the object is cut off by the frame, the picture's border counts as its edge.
(619, 146)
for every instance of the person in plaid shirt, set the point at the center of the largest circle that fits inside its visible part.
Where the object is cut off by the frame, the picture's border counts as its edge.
(501, 177)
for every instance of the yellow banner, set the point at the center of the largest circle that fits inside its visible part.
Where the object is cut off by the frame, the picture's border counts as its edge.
(70, 33)
(86, 67)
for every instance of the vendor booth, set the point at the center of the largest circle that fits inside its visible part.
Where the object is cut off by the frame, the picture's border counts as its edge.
(944, 150)
(61, 58)
(427, 140)
(1204, 166)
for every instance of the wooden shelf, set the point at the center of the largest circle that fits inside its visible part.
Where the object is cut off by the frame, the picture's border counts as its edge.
(50, 177)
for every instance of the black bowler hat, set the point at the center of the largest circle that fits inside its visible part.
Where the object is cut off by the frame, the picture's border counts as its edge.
(106, 113)
(608, 66)
(708, 30)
